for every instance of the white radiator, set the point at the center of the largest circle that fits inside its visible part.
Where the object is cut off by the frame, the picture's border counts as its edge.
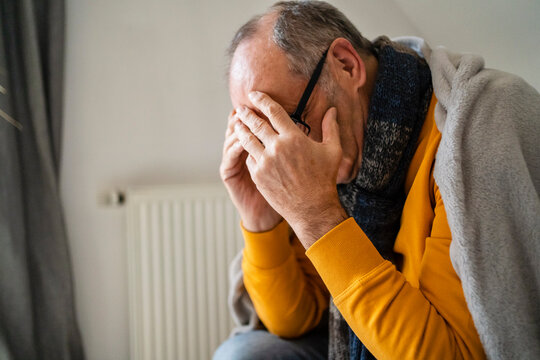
(180, 242)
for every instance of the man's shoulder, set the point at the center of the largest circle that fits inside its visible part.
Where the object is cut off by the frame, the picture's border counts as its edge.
(489, 117)
(501, 84)
(464, 76)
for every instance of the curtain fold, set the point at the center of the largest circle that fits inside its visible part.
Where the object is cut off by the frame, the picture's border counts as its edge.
(37, 314)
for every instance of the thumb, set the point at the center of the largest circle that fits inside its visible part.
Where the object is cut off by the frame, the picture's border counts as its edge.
(330, 127)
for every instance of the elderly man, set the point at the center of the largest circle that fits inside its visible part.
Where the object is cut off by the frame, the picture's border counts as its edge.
(329, 158)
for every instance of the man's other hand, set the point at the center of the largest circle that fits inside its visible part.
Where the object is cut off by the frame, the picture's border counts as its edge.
(256, 214)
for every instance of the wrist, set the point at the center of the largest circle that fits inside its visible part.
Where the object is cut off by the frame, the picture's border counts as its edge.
(309, 231)
(260, 224)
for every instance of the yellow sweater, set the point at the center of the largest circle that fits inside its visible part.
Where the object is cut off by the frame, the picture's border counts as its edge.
(415, 312)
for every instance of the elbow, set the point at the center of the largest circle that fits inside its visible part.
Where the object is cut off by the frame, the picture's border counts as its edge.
(291, 327)
(287, 330)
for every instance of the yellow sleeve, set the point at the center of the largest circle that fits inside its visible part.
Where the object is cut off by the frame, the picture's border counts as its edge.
(288, 294)
(391, 317)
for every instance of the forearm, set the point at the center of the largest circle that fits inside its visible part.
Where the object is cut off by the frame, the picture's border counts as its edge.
(390, 316)
(287, 293)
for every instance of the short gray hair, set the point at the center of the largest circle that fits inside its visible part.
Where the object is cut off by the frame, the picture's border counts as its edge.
(304, 30)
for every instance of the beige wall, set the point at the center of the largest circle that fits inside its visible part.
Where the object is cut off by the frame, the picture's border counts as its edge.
(146, 103)
(506, 33)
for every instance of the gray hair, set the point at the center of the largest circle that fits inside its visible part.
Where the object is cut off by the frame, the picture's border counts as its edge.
(304, 30)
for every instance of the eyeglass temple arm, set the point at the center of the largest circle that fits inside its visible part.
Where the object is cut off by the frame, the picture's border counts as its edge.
(309, 89)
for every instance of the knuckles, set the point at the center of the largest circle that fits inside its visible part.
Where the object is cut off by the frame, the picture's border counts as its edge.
(257, 125)
(274, 147)
(246, 140)
(263, 163)
(260, 172)
(273, 110)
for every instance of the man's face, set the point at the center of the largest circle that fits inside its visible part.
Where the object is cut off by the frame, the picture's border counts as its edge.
(258, 64)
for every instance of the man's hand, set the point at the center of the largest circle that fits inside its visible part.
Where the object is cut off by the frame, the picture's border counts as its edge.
(256, 214)
(296, 175)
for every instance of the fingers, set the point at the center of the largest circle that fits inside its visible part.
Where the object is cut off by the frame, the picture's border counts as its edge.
(278, 117)
(251, 164)
(232, 118)
(248, 141)
(232, 148)
(234, 154)
(232, 162)
(233, 157)
(231, 142)
(259, 127)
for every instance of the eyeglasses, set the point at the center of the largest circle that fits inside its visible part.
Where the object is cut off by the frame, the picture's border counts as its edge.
(296, 116)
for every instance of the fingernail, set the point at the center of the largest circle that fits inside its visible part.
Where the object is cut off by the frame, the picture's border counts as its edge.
(254, 95)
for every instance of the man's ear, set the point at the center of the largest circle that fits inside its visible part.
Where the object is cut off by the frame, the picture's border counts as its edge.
(347, 64)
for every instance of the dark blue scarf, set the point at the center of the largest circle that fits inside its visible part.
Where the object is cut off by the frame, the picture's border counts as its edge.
(397, 109)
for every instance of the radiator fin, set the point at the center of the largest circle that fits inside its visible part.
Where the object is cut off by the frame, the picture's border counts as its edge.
(180, 242)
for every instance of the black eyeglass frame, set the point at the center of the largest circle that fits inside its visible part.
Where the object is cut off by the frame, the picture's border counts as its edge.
(296, 116)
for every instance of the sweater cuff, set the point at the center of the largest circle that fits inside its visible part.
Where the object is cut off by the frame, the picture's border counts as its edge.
(343, 256)
(269, 249)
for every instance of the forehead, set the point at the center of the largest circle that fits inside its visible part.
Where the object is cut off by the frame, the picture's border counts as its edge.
(258, 64)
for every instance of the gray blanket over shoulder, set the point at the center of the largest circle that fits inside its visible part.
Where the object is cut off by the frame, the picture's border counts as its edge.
(488, 171)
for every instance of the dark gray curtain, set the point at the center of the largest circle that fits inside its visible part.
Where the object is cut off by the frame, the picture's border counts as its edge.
(37, 316)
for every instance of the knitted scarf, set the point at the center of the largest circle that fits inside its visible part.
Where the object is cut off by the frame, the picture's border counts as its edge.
(375, 199)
